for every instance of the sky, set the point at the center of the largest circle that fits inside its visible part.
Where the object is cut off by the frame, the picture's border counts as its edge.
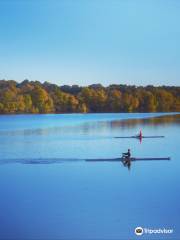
(84, 42)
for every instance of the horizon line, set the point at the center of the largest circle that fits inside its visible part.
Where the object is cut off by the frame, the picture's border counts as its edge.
(63, 84)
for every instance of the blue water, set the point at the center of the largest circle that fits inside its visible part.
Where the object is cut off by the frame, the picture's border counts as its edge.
(49, 191)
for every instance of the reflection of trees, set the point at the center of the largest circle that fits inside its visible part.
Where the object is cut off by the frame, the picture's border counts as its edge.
(155, 121)
(94, 127)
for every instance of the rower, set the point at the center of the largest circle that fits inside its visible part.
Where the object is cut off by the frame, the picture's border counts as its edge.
(140, 134)
(127, 154)
(127, 159)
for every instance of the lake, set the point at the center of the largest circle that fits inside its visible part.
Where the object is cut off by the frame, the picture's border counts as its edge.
(49, 191)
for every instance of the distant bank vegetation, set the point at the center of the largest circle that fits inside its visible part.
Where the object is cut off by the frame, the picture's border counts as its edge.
(36, 97)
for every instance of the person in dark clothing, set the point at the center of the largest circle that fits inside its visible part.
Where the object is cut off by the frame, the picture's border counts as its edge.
(127, 154)
(127, 159)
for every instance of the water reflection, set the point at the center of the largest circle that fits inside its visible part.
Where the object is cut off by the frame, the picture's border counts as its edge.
(155, 121)
(127, 163)
(94, 127)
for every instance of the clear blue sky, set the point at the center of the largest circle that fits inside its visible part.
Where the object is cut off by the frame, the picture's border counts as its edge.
(91, 41)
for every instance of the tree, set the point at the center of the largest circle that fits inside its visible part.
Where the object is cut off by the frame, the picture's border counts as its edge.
(114, 103)
(165, 100)
(147, 102)
(41, 100)
(35, 97)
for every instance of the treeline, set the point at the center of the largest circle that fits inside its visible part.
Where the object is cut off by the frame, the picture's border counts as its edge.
(36, 97)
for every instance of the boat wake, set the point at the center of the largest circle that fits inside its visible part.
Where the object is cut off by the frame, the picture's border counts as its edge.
(39, 160)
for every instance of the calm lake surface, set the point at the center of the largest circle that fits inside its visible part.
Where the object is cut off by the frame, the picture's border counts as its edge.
(49, 191)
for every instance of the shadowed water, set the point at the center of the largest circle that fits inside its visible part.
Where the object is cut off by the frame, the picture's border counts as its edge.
(42, 196)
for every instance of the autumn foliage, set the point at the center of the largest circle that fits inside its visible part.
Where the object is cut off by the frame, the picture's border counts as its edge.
(36, 97)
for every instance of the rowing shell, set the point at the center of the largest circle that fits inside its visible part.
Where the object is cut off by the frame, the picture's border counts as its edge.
(122, 159)
(142, 137)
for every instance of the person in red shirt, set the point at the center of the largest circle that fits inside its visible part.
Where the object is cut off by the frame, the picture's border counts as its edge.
(140, 134)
